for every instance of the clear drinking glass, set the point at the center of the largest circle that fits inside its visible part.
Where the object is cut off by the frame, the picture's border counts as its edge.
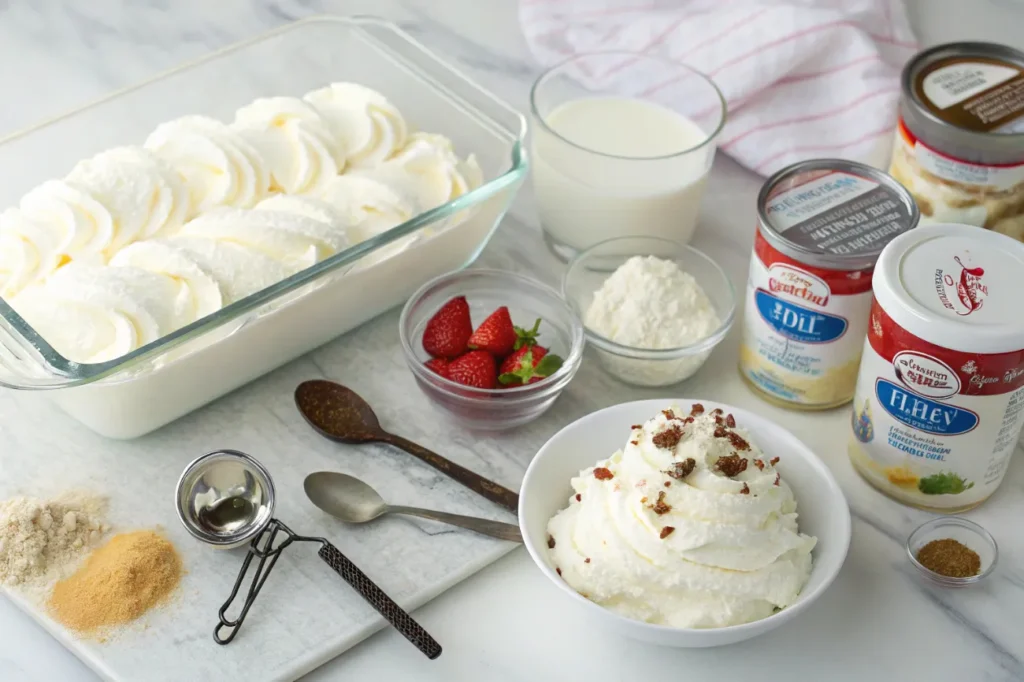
(622, 146)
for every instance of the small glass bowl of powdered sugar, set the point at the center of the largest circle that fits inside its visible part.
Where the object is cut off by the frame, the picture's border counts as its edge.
(653, 309)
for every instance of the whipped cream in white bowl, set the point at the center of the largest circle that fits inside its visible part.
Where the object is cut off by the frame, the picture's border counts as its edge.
(646, 577)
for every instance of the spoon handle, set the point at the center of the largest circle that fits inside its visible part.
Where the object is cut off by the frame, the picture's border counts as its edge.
(474, 481)
(495, 529)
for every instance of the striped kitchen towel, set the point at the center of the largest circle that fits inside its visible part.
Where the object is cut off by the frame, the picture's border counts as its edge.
(802, 78)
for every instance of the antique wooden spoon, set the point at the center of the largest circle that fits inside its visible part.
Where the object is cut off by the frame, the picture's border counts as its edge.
(340, 414)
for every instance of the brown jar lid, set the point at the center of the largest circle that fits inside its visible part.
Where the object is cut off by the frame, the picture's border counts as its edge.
(967, 100)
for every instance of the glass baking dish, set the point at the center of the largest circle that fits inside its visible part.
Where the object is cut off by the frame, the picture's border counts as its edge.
(149, 387)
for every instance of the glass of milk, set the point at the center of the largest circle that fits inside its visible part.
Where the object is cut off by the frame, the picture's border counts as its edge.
(622, 146)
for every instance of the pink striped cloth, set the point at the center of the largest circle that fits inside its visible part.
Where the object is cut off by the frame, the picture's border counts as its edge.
(802, 78)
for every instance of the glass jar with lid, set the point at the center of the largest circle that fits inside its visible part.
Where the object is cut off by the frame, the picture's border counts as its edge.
(959, 145)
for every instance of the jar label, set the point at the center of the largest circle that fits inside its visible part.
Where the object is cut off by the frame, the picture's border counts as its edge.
(835, 212)
(981, 94)
(803, 328)
(980, 179)
(934, 426)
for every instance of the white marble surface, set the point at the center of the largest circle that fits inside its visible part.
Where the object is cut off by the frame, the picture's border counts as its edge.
(877, 622)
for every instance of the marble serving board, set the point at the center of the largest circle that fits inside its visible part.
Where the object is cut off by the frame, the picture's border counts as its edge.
(305, 614)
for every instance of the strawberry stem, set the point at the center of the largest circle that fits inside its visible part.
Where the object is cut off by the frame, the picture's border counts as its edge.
(526, 337)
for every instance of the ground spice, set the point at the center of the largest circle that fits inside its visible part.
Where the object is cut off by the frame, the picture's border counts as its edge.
(950, 558)
(119, 582)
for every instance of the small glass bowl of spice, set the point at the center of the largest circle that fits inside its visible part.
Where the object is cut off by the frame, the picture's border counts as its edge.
(952, 551)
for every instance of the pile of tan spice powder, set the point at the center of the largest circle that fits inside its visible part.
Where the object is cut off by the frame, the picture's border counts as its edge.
(50, 550)
(42, 541)
(118, 583)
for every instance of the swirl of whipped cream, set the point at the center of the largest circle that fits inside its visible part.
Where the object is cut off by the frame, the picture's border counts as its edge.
(144, 194)
(371, 205)
(317, 209)
(91, 313)
(734, 553)
(83, 227)
(301, 151)
(296, 241)
(428, 171)
(219, 166)
(371, 128)
(197, 285)
(29, 251)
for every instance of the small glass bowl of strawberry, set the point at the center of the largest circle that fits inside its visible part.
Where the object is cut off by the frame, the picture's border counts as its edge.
(492, 348)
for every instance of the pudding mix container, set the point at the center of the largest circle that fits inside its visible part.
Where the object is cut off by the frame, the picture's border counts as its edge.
(959, 145)
(940, 395)
(821, 226)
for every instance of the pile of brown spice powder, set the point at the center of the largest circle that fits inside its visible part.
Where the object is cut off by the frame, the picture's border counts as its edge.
(118, 582)
(950, 558)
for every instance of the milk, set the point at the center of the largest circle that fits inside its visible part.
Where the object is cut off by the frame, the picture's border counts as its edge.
(607, 167)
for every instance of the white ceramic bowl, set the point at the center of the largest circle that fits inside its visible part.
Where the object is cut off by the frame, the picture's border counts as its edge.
(820, 503)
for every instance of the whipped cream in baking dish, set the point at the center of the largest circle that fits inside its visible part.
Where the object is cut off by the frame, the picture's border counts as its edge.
(139, 241)
(689, 525)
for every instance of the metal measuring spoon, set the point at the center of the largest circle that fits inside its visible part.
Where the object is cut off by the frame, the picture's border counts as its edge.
(354, 501)
(338, 413)
(226, 498)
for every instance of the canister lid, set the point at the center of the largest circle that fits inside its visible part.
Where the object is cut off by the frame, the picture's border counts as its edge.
(967, 100)
(957, 286)
(833, 213)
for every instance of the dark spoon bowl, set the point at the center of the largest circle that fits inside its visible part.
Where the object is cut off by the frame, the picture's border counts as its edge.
(340, 414)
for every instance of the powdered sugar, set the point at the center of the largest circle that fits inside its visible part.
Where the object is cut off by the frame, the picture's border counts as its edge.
(650, 303)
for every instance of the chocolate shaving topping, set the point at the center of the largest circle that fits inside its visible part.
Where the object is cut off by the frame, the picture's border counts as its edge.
(660, 507)
(773, 461)
(717, 410)
(558, 570)
(587, 560)
(745, 490)
(730, 421)
(759, 464)
(668, 484)
(778, 477)
(681, 470)
(636, 426)
(731, 465)
(635, 442)
(579, 498)
(643, 500)
(737, 441)
(669, 414)
(551, 542)
(603, 474)
(666, 531)
(696, 409)
(720, 432)
(668, 438)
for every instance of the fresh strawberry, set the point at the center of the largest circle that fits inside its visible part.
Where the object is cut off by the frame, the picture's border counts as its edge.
(513, 362)
(499, 337)
(475, 368)
(496, 334)
(448, 330)
(437, 365)
(528, 365)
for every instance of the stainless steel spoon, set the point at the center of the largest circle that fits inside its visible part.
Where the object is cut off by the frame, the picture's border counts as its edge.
(353, 501)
